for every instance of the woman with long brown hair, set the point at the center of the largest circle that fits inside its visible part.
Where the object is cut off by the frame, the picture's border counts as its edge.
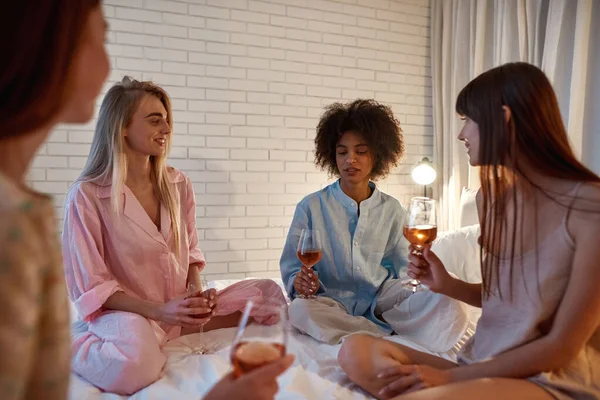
(53, 66)
(539, 210)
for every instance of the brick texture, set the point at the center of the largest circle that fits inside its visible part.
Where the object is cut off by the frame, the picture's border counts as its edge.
(248, 81)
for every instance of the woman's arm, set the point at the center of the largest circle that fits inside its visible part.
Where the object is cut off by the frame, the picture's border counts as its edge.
(196, 258)
(89, 281)
(123, 302)
(469, 293)
(433, 274)
(181, 311)
(194, 275)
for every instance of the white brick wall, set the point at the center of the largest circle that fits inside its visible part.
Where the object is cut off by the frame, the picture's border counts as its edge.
(248, 81)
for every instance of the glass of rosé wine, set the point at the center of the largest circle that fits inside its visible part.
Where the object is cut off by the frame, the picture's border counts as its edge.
(204, 286)
(310, 252)
(420, 229)
(257, 344)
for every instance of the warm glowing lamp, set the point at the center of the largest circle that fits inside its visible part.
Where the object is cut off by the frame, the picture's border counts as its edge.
(424, 174)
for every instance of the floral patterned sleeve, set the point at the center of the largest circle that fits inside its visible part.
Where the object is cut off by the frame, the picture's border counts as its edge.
(20, 289)
(34, 322)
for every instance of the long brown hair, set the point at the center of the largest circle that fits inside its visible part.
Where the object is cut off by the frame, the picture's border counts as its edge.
(534, 136)
(40, 40)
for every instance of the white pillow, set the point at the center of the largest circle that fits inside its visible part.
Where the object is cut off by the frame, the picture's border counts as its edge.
(459, 251)
(467, 214)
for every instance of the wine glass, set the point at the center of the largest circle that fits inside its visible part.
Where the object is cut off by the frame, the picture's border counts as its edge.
(420, 229)
(309, 252)
(257, 344)
(202, 349)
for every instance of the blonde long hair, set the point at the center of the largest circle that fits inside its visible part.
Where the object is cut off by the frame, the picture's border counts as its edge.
(108, 160)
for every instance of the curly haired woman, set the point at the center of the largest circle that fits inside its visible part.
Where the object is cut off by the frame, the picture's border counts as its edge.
(356, 282)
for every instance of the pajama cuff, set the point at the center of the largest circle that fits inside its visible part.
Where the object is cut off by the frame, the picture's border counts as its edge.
(90, 302)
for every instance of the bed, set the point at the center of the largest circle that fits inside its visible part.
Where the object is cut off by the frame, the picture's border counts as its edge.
(315, 373)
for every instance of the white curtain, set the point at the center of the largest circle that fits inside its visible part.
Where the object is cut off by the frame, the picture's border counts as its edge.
(468, 37)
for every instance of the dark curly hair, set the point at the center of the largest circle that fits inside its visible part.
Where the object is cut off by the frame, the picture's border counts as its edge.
(373, 121)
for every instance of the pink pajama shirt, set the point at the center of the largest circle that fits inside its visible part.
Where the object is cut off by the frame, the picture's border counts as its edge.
(105, 252)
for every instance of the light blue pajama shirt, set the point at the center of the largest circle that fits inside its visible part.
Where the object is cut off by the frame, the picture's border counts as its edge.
(360, 253)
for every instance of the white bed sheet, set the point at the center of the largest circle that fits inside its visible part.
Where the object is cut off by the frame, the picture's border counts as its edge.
(315, 373)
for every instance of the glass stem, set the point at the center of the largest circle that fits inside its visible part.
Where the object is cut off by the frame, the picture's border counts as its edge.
(415, 283)
(418, 251)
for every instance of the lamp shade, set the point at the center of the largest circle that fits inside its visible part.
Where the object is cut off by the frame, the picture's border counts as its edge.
(423, 173)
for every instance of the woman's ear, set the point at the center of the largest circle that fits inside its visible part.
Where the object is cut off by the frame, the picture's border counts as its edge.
(507, 114)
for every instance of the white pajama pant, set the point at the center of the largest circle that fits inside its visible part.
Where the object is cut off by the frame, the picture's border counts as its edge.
(432, 320)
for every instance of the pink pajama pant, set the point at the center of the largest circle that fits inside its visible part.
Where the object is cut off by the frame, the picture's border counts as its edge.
(121, 352)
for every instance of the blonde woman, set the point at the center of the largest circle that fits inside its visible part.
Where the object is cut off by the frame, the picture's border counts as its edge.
(131, 248)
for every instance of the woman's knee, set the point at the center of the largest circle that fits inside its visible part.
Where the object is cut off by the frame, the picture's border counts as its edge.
(121, 354)
(362, 358)
(133, 374)
(298, 307)
(271, 291)
(356, 354)
(297, 313)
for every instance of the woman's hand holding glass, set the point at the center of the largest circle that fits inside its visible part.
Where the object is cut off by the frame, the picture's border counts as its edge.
(306, 282)
(188, 311)
(201, 290)
(258, 344)
(258, 384)
(428, 268)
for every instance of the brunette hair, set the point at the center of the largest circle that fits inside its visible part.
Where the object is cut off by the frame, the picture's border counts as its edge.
(41, 40)
(534, 136)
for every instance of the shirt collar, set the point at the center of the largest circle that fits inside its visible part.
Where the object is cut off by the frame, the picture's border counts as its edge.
(350, 204)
